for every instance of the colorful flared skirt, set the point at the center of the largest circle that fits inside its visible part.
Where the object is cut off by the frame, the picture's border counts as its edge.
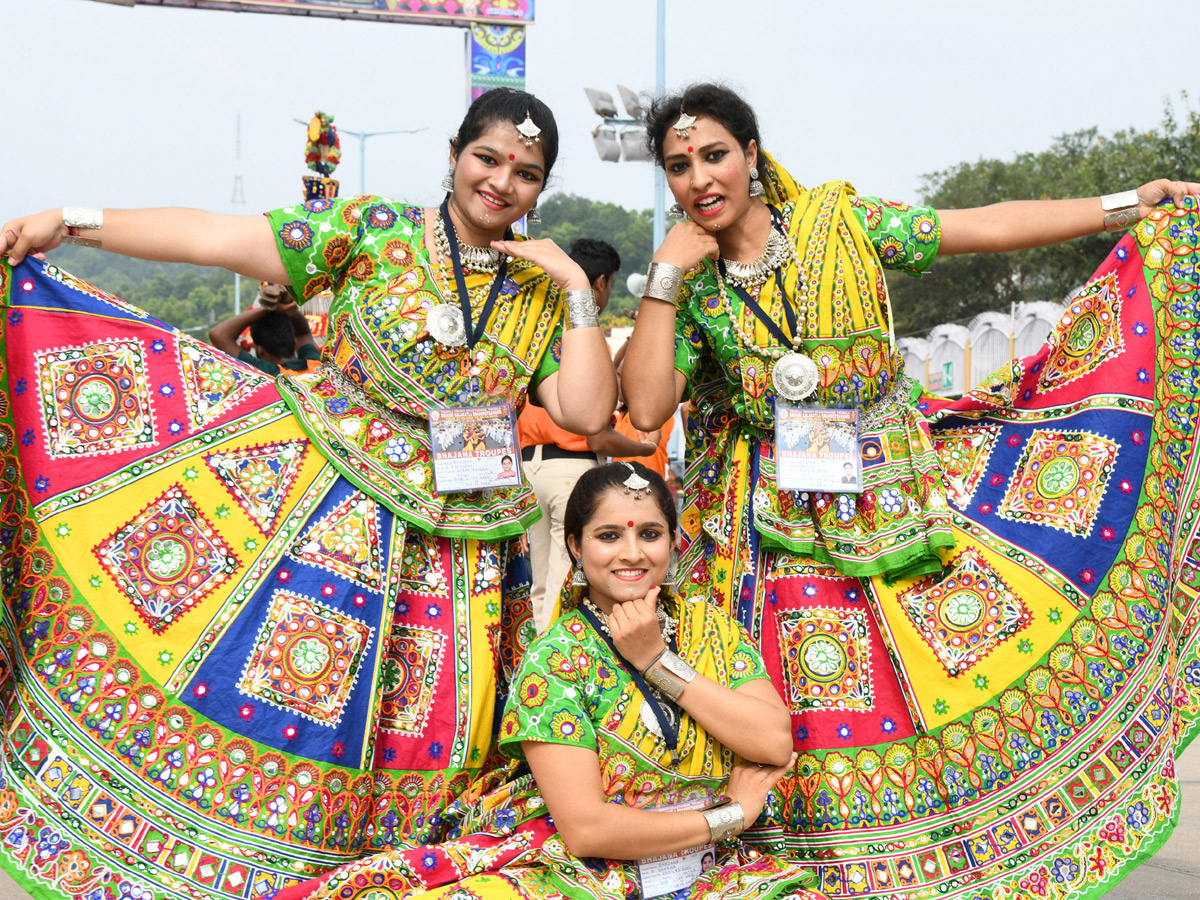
(225, 668)
(1009, 726)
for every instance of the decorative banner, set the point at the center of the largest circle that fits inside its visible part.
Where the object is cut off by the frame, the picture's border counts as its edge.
(496, 57)
(412, 12)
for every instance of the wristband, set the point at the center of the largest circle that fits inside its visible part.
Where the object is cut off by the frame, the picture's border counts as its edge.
(582, 310)
(77, 217)
(725, 821)
(1120, 210)
(663, 282)
(670, 676)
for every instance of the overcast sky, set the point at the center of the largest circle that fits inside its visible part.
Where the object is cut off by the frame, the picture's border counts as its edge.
(110, 106)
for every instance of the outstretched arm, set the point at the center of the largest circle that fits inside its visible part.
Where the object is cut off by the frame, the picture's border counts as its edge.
(242, 244)
(1021, 224)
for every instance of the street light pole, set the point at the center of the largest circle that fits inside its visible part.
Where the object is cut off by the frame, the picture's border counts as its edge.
(362, 149)
(660, 86)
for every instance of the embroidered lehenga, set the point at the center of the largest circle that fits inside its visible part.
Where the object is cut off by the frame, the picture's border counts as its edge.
(990, 654)
(245, 640)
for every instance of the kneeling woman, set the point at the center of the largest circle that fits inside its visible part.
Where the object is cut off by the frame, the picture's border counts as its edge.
(651, 728)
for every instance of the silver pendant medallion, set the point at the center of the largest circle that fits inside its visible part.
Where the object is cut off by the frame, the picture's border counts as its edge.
(794, 376)
(446, 326)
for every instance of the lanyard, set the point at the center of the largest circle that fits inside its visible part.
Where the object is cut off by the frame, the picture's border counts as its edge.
(475, 330)
(669, 718)
(761, 314)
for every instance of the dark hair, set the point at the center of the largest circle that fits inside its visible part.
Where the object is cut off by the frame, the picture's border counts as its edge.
(506, 456)
(713, 100)
(507, 105)
(585, 497)
(596, 258)
(275, 334)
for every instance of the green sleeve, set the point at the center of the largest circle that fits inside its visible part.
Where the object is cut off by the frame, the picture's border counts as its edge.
(317, 241)
(309, 351)
(549, 363)
(689, 340)
(548, 703)
(745, 662)
(905, 237)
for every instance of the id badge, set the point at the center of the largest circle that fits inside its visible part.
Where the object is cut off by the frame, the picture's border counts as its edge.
(473, 447)
(817, 450)
(673, 872)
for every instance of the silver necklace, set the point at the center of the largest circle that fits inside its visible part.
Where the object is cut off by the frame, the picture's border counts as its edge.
(666, 623)
(477, 259)
(751, 274)
(793, 374)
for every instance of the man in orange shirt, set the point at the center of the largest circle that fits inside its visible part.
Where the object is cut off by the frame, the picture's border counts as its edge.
(553, 459)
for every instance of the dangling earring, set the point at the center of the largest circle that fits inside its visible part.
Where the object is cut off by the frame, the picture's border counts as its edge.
(533, 217)
(448, 180)
(578, 579)
(672, 571)
(676, 211)
(756, 186)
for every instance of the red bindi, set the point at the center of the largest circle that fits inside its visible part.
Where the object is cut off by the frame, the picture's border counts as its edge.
(511, 157)
(630, 524)
(689, 149)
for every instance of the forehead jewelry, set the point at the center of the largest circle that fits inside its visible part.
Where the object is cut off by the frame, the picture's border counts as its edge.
(635, 482)
(684, 124)
(529, 131)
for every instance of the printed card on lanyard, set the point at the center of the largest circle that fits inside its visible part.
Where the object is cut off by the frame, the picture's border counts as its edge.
(473, 447)
(673, 872)
(817, 450)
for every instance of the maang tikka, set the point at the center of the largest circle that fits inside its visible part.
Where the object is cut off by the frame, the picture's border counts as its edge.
(635, 483)
(529, 131)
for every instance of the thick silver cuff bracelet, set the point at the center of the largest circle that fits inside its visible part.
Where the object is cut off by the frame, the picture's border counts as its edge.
(582, 310)
(76, 217)
(1120, 210)
(663, 282)
(725, 821)
(670, 675)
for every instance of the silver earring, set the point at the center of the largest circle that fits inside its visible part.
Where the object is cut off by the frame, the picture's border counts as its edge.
(672, 571)
(756, 186)
(578, 579)
(448, 180)
(676, 211)
(533, 217)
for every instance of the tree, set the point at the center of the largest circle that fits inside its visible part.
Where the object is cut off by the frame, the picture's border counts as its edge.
(1080, 164)
(566, 217)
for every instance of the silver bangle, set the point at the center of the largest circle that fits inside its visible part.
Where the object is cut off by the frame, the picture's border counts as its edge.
(725, 821)
(76, 217)
(582, 310)
(1120, 210)
(670, 675)
(663, 282)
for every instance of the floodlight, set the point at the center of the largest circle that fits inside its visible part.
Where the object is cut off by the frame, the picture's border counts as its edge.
(633, 103)
(602, 103)
(633, 142)
(606, 144)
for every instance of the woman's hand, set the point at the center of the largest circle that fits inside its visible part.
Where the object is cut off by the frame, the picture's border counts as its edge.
(749, 784)
(550, 257)
(31, 234)
(1153, 193)
(635, 629)
(686, 245)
